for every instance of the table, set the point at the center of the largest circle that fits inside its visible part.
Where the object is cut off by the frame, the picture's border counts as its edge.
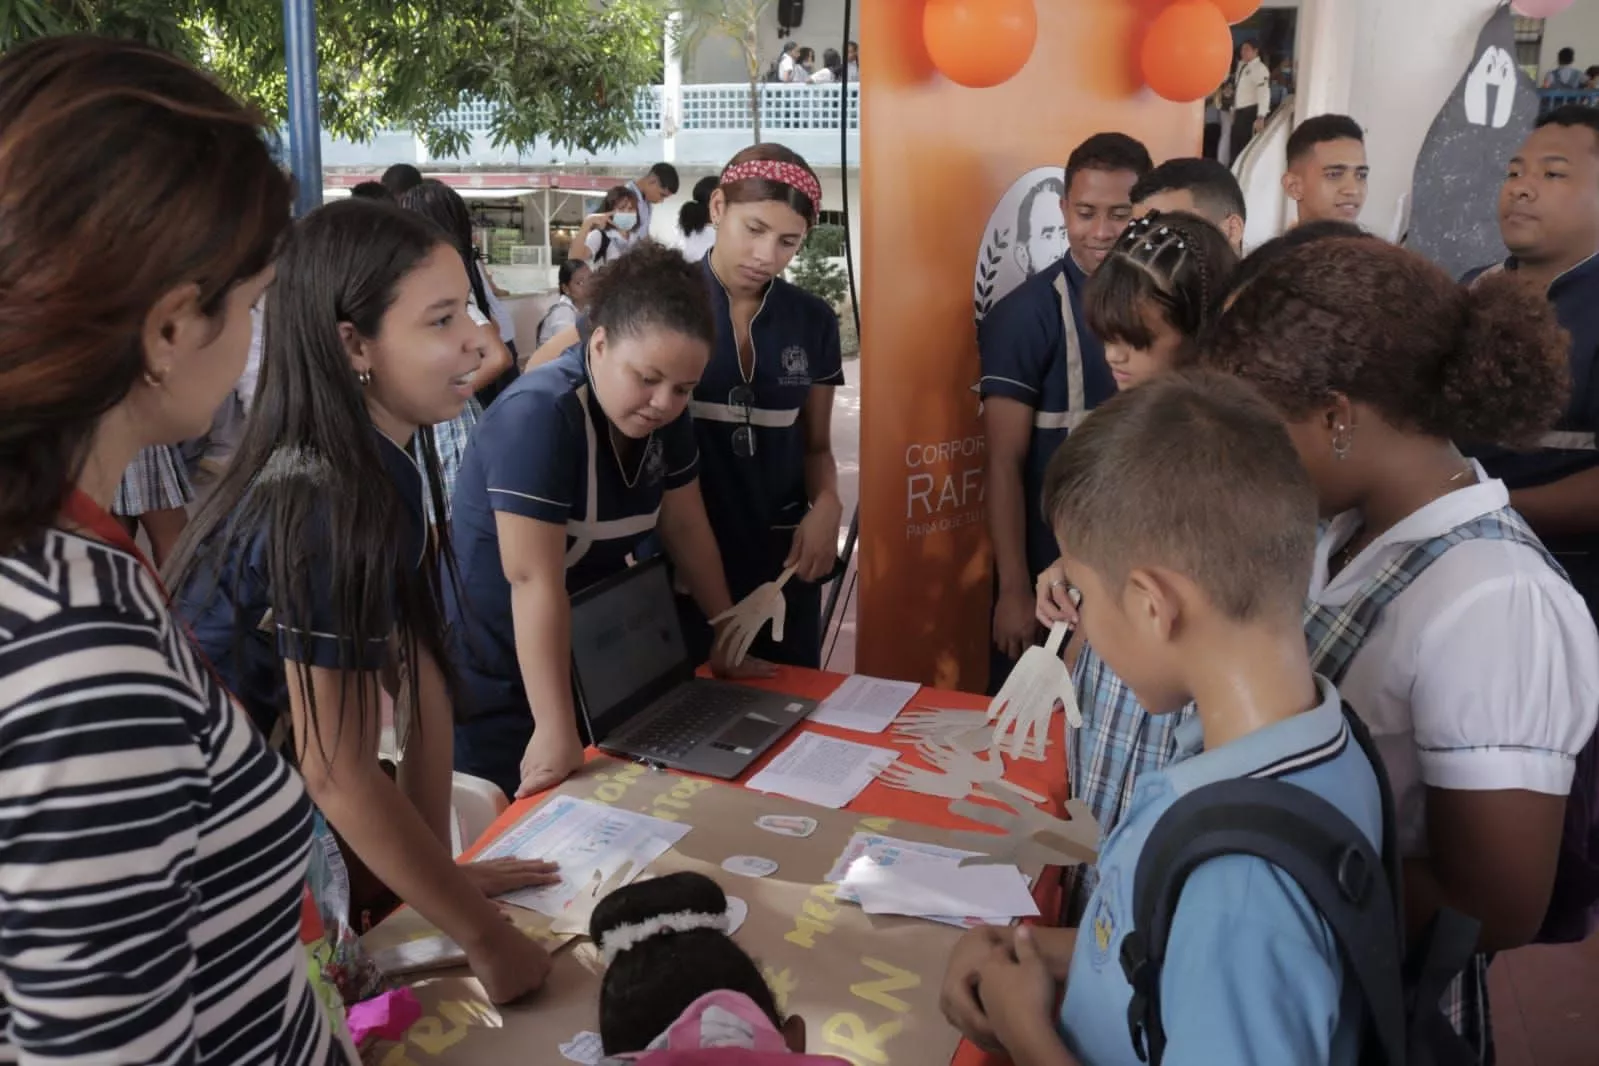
(880, 801)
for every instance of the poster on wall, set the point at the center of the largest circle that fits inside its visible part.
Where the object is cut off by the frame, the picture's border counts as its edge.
(960, 202)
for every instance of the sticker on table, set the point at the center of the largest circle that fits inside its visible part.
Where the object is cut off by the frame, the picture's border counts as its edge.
(788, 825)
(737, 911)
(585, 1047)
(749, 866)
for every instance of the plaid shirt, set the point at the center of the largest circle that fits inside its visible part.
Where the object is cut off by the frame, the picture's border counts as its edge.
(1335, 634)
(1118, 743)
(154, 481)
(450, 439)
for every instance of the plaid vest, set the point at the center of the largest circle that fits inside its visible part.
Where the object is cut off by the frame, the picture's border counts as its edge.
(1335, 634)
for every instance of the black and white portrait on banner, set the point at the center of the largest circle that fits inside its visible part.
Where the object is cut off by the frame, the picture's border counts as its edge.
(1454, 217)
(1026, 233)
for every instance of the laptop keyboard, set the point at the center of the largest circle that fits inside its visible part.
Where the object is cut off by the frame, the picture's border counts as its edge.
(685, 719)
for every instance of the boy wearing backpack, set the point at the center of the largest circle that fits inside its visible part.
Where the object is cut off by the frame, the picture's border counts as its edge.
(1190, 534)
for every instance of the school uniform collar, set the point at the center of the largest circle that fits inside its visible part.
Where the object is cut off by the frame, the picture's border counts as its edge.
(1284, 747)
(1586, 270)
(401, 464)
(1465, 504)
(1076, 276)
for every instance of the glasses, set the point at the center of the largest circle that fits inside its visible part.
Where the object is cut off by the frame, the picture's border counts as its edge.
(742, 400)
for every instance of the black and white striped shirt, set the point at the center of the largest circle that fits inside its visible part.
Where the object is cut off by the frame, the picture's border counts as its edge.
(152, 849)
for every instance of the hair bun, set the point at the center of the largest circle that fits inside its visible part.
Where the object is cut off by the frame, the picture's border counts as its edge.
(1508, 380)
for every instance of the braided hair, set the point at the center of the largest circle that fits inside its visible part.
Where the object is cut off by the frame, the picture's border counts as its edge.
(1173, 261)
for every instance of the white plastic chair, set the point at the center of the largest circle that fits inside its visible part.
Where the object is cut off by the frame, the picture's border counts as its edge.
(474, 805)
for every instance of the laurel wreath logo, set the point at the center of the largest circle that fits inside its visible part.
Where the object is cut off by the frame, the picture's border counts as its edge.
(988, 263)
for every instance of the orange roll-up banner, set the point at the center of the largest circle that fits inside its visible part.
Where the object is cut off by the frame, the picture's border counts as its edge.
(945, 173)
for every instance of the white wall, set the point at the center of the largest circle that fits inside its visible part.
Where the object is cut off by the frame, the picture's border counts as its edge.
(723, 61)
(1575, 27)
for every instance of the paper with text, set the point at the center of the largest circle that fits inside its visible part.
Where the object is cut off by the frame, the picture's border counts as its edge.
(866, 704)
(822, 770)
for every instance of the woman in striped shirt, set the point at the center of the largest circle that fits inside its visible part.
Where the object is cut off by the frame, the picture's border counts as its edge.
(152, 849)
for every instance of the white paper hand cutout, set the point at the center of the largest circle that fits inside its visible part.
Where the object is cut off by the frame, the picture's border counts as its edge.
(746, 618)
(928, 782)
(1028, 697)
(967, 730)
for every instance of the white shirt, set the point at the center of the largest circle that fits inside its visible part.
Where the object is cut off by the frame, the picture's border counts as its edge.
(822, 76)
(1482, 675)
(497, 310)
(698, 245)
(613, 251)
(785, 68)
(1253, 83)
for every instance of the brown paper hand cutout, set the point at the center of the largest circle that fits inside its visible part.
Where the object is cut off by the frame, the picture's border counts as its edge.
(746, 618)
(1033, 836)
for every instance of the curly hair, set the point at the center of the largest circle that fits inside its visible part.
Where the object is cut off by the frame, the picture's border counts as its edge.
(1383, 326)
(1172, 260)
(652, 287)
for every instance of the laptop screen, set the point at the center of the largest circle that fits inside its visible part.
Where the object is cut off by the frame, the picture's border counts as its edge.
(627, 646)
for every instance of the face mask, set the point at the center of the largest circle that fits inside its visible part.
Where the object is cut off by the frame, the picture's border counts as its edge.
(624, 220)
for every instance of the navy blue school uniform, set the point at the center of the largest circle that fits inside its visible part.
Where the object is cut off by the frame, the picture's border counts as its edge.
(1568, 448)
(229, 608)
(1036, 349)
(543, 451)
(757, 499)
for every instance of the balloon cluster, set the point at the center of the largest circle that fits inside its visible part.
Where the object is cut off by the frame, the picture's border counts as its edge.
(979, 43)
(1187, 49)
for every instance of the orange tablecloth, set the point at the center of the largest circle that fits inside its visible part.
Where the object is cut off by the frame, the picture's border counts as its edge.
(1047, 778)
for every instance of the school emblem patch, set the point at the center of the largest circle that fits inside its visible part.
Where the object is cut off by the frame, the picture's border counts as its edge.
(796, 366)
(655, 461)
(1102, 918)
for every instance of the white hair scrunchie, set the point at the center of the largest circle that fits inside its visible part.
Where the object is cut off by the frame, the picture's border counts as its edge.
(626, 937)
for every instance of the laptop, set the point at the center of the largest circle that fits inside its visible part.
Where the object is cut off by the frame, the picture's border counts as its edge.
(637, 693)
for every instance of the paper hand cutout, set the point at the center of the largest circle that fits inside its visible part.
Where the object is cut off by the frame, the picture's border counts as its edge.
(1028, 697)
(746, 618)
(1035, 837)
(927, 782)
(967, 730)
(960, 762)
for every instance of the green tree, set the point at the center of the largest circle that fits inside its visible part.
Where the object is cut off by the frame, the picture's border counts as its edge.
(739, 20)
(567, 70)
(814, 270)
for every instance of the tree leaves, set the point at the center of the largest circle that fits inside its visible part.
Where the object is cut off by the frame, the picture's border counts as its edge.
(566, 70)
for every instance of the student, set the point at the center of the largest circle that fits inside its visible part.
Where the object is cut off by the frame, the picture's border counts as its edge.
(1042, 370)
(154, 494)
(1566, 76)
(694, 220)
(573, 281)
(1251, 97)
(1150, 301)
(1479, 679)
(1549, 219)
(371, 190)
(1327, 172)
(400, 179)
(154, 849)
(1201, 187)
(763, 411)
(667, 950)
(310, 574)
(659, 183)
(577, 463)
(1188, 523)
(606, 235)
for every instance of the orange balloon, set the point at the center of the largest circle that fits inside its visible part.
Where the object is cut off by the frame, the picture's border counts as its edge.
(979, 43)
(1187, 51)
(1236, 11)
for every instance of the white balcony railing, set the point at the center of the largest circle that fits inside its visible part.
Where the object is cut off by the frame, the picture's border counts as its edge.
(720, 108)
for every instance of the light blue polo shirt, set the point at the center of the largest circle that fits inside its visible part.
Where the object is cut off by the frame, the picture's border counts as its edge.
(1252, 973)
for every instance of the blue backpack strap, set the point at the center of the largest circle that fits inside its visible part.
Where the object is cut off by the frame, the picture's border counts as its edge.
(1336, 633)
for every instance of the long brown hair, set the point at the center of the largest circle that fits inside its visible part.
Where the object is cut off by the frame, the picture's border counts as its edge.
(124, 174)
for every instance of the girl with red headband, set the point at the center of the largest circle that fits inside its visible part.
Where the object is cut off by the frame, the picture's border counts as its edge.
(763, 410)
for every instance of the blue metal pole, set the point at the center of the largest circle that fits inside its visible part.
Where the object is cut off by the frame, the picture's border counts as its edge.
(305, 120)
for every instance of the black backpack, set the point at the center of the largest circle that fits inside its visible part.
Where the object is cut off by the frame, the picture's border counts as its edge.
(1357, 892)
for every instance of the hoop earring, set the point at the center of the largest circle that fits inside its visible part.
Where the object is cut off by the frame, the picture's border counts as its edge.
(364, 377)
(1343, 440)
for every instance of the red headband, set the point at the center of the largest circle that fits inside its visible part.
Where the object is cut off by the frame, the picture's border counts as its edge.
(790, 174)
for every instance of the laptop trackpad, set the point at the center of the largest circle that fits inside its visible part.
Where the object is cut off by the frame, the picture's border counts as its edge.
(747, 734)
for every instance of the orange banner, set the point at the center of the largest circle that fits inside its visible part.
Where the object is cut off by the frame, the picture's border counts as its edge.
(954, 212)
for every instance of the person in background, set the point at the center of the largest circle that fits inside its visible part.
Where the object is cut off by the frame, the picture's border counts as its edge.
(1549, 219)
(831, 70)
(852, 63)
(804, 64)
(1215, 111)
(1327, 172)
(661, 182)
(573, 280)
(606, 235)
(578, 463)
(1591, 78)
(1479, 678)
(783, 69)
(311, 574)
(1042, 371)
(372, 190)
(668, 958)
(400, 179)
(1565, 76)
(1188, 522)
(1251, 98)
(763, 409)
(1201, 187)
(154, 848)
(154, 495)
(694, 220)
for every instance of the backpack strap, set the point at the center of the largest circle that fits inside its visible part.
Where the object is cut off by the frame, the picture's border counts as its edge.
(1308, 839)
